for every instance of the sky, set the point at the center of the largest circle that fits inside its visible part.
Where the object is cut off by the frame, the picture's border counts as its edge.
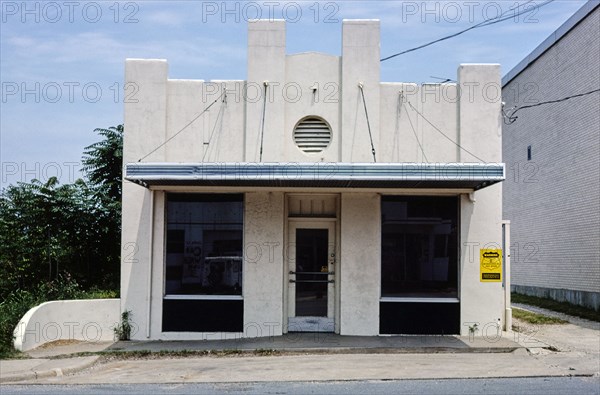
(62, 62)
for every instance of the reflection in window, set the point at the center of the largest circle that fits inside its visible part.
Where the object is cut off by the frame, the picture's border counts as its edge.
(419, 251)
(204, 244)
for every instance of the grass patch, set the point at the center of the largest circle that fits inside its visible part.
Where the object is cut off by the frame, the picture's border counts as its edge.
(11, 353)
(96, 293)
(561, 307)
(147, 354)
(535, 318)
(265, 352)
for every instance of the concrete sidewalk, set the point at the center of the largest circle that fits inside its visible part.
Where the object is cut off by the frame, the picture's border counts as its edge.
(43, 361)
(549, 350)
(323, 367)
(332, 343)
(32, 369)
(53, 360)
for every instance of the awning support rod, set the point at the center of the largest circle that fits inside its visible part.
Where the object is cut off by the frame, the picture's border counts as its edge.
(362, 93)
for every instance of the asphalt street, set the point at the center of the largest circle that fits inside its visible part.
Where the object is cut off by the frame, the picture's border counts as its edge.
(489, 386)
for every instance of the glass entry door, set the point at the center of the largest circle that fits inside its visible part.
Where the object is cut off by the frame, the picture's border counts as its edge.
(311, 288)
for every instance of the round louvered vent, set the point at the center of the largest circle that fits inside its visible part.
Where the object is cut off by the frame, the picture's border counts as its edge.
(312, 134)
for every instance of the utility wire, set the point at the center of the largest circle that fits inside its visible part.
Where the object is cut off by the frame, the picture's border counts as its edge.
(411, 126)
(362, 93)
(183, 128)
(512, 118)
(500, 18)
(443, 134)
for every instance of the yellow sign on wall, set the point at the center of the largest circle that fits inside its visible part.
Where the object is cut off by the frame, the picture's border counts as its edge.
(490, 265)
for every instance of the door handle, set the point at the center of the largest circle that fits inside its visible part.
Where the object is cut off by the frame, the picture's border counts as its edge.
(311, 281)
(293, 272)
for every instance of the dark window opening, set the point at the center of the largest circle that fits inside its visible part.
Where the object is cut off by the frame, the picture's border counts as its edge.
(419, 318)
(419, 246)
(203, 316)
(204, 244)
(529, 152)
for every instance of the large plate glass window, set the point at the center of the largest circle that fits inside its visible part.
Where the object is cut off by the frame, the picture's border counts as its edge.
(419, 246)
(204, 244)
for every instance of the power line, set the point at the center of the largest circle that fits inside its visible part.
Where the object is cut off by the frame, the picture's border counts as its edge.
(443, 134)
(183, 128)
(500, 18)
(512, 118)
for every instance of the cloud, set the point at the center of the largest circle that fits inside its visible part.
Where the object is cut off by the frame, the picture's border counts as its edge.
(35, 56)
(165, 18)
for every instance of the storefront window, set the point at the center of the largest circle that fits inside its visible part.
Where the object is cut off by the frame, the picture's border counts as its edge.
(419, 246)
(204, 244)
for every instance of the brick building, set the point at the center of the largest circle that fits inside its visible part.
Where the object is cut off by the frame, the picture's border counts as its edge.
(552, 156)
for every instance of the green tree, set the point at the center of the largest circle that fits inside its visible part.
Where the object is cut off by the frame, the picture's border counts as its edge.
(103, 162)
(103, 165)
(47, 229)
(44, 229)
(57, 241)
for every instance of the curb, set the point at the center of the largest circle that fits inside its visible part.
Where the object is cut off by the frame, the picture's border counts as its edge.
(55, 372)
(380, 350)
(338, 350)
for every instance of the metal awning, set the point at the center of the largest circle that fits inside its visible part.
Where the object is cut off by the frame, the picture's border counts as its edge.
(317, 175)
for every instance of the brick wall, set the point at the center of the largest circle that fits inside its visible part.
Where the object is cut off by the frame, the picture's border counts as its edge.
(553, 200)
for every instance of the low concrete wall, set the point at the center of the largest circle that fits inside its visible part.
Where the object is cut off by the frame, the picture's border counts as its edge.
(582, 298)
(89, 320)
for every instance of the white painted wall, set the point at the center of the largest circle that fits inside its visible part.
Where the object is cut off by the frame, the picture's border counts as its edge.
(479, 122)
(145, 120)
(360, 64)
(480, 227)
(360, 264)
(480, 128)
(266, 62)
(304, 71)
(153, 307)
(263, 263)
(206, 139)
(403, 129)
(89, 320)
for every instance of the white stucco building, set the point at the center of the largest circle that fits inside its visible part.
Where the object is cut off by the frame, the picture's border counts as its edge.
(284, 207)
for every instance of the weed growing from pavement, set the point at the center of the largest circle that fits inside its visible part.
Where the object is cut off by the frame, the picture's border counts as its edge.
(561, 307)
(123, 329)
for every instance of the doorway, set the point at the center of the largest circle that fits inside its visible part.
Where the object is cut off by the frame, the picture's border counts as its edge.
(311, 280)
